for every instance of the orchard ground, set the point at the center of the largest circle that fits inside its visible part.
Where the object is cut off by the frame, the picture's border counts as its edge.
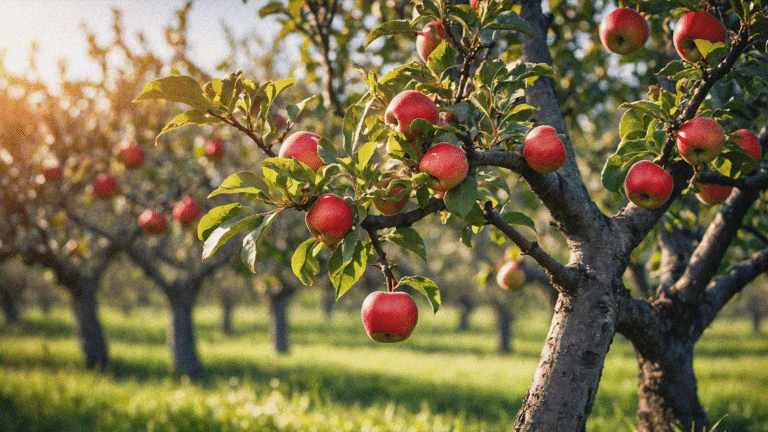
(335, 378)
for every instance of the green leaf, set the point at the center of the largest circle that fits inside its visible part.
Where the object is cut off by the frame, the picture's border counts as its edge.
(294, 111)
(244, 182)
(344, 275)
(214, 218)
(408, 239)
(672, 68)
(304, 264)
(632, 122)
(290, 167)
(461, 199)
(389, 28)
(176, 88)
(511, 21)
(251, 241)
(615, 170)
(193, 116)
(424, 286)
(712, 52)
(517, 218)
(229, 229)
(364, 153)
(326, 151)
(272, 8)
(487, 72)
(651, 108)
(441, 58)
(352, 118)
(518, 113)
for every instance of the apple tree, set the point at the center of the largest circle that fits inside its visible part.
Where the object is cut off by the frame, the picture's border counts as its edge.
(489, 105)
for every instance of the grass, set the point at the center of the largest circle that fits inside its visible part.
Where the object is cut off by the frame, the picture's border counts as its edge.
(335, 378)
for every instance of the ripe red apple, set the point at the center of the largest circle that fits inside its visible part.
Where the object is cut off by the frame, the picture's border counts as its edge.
(700, 140)
(510, 276)
(130, 154)
(386, 205)
(187, 211)
(647, 185)
(447, 163)
(749, 142)
(692, 26)
(429, 38)
(330, 219)
(474, 3)
(152, 221)
(302, 146)
(543, 150)
(52, 171)
(623, 31)
(389, 316)
(214, 148)
(105, 186)
(406, 107)
(711, 193)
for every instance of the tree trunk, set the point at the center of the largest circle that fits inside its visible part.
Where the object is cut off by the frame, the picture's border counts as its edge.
(9, 306)
(85, 308)
(667, 391)
(756, 315)
(504, 319)
(181, 334)
(227, 310)
(278, 322)
(563, 390)
(465, 311)
(328, 301)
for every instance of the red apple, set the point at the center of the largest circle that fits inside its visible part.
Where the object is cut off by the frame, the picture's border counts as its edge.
(647, 185)
(543, 150)
(447, 164)
(429, 38)
(692, 26)
(105, 186)
(187, 211)
(52, 171)
(278, 121)
(130, 154)
(302, 146)
(623, 31)
(214, 148)
(700, 140)
(386, 205)
(406, 107)
(152, 221)
(389, 316)
(510, 276)
(474, 3)
(330, 219)
(749, 142)
(711, 193)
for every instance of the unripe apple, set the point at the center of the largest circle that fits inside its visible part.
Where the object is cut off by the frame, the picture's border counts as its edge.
(187, 211)
(510, 276)
(406, 107)
(429, 38)
(387, 205)
(749, 142)
(330, 219)
(647, 185)
(700, 140)
(214, 148)
(712, 193)
(152, 221)
(389, 316)
(302, 146)
(692, 26)
(543, 150)
(105, 186)
(131, 154)
(623, 31)
(447, 163)
(52, 171)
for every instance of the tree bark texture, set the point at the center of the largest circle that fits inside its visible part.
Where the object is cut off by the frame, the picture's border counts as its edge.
(181, 335)
(278, 320)
(92, 341)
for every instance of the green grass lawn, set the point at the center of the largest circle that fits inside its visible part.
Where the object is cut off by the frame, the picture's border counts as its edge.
(335, 378)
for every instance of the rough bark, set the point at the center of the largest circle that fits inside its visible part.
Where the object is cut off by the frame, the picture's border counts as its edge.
(181, 334)
(92, 341)
(278, 320)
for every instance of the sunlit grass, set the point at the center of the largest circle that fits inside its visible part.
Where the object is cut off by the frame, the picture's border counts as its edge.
(334, 377)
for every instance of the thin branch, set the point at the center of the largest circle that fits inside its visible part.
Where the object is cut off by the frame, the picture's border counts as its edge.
(372, 222)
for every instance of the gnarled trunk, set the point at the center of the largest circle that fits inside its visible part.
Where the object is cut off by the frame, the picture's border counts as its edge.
(181, 334)
(85, 309)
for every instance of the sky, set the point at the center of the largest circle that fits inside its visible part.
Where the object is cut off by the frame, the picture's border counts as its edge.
(56, 26)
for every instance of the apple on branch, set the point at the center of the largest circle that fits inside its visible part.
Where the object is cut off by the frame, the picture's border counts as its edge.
(510, 276)
(429, 38)
(302, 146)
(214, 148)
(405, 108)
(543, 150)
(152, 221)
(749, 142)
(648, 185)
(700, 140)
(387, 204)
(389, 316)
(623, 31)
(712, 193)
(329, 219)
(105, 186)
(448, 165)
(692, 26)
(187, 211)
(130, 154)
